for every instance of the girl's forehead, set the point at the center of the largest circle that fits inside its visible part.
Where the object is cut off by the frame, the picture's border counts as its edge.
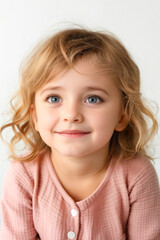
(88, 69)
(84, 76)
(82, 68)
(83, 72)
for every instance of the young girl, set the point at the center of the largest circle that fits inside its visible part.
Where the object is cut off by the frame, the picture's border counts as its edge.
(87, 175)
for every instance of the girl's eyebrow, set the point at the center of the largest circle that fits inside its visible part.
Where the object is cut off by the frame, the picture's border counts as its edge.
(50, 89)
(96, 88)
(87, 89)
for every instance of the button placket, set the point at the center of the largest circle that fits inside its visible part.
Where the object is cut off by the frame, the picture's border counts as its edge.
(74, 224)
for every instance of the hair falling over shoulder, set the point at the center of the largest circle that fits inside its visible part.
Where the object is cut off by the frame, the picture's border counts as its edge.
(61, 51)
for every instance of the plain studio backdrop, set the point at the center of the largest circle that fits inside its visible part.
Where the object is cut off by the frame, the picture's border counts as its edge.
(22, 23)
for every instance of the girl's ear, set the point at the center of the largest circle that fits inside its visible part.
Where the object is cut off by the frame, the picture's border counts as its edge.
(122, 124)
(34, 117)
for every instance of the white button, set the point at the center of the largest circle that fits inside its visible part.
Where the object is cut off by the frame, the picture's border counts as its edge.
(73, 212)
(71, 235)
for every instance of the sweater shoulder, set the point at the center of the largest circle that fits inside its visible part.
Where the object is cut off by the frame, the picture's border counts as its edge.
(138, 169)
(21, 173)
(136, 166)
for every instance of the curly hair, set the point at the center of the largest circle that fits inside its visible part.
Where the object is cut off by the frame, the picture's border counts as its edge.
(61, 51)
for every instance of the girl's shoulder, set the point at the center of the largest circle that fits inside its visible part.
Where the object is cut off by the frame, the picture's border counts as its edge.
(136, 170)
(26, 172)
(135, 164)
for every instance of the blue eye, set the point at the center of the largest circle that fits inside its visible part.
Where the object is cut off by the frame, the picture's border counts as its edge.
(54, 99)
(94, 99)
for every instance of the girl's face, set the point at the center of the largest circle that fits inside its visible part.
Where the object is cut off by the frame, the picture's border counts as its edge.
(77, 113)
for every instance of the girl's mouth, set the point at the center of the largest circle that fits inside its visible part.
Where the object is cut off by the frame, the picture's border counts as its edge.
(72, 133)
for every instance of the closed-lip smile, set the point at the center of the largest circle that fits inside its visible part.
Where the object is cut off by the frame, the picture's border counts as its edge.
(72, 133)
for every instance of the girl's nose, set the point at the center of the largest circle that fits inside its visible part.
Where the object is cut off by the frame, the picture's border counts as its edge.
(73, 116)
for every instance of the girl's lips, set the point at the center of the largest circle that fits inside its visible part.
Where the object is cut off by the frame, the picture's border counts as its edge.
(72, 133)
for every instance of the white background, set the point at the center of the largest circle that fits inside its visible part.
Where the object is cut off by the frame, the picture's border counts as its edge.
(24, 22)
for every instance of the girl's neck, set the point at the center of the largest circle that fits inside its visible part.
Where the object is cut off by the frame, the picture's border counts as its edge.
(78, 167)
(81, 176)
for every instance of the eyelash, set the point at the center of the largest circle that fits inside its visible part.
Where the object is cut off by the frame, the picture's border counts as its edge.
(95, 96)
(52, 96)
(90, 96)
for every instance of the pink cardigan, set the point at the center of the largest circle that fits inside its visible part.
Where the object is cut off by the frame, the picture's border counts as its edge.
(126, 205)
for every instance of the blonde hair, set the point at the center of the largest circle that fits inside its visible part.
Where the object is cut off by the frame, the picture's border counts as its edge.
(62, 51)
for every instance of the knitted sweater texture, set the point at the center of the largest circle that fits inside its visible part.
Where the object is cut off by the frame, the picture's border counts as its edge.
(126, 205)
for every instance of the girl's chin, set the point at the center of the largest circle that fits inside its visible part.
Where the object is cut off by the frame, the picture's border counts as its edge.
(73, 154)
